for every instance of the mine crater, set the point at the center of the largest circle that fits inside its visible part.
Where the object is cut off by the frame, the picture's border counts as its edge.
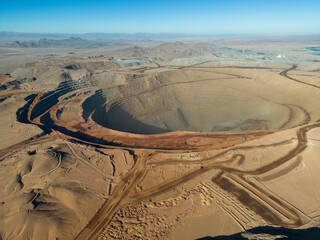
(190, 101)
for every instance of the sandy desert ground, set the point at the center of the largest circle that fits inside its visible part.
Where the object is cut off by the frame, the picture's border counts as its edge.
(171, 140)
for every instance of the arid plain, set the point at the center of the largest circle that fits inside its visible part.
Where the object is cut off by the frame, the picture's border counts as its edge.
(150, 139)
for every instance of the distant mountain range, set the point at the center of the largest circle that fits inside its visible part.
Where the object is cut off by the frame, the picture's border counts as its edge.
(68, 42)
(44, 42)
(100, 36)
(25, 40)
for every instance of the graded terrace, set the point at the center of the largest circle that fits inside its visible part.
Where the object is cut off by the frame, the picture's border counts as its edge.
(165, 140)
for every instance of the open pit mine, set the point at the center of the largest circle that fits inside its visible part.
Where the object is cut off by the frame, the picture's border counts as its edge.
(209, 142)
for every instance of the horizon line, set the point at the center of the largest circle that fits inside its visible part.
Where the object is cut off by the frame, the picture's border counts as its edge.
(170, 33)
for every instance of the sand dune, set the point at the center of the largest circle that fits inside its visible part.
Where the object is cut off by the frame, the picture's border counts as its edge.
(180, 141)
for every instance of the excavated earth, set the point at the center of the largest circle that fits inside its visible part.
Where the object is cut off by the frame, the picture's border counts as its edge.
(94, 149)
(196, 100)
(178, 108)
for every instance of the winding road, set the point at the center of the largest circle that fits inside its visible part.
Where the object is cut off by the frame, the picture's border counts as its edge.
(125, 192)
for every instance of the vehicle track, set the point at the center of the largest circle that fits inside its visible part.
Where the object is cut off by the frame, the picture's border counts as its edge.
(118, 198)
(285, 74)
(125, 193)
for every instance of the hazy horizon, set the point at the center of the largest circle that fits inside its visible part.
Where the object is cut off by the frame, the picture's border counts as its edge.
(169, 33)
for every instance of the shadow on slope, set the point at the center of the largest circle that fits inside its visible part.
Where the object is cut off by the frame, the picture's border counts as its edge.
(123, 121)
(272, 233)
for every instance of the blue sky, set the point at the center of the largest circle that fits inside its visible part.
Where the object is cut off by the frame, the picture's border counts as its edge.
(279, 17)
